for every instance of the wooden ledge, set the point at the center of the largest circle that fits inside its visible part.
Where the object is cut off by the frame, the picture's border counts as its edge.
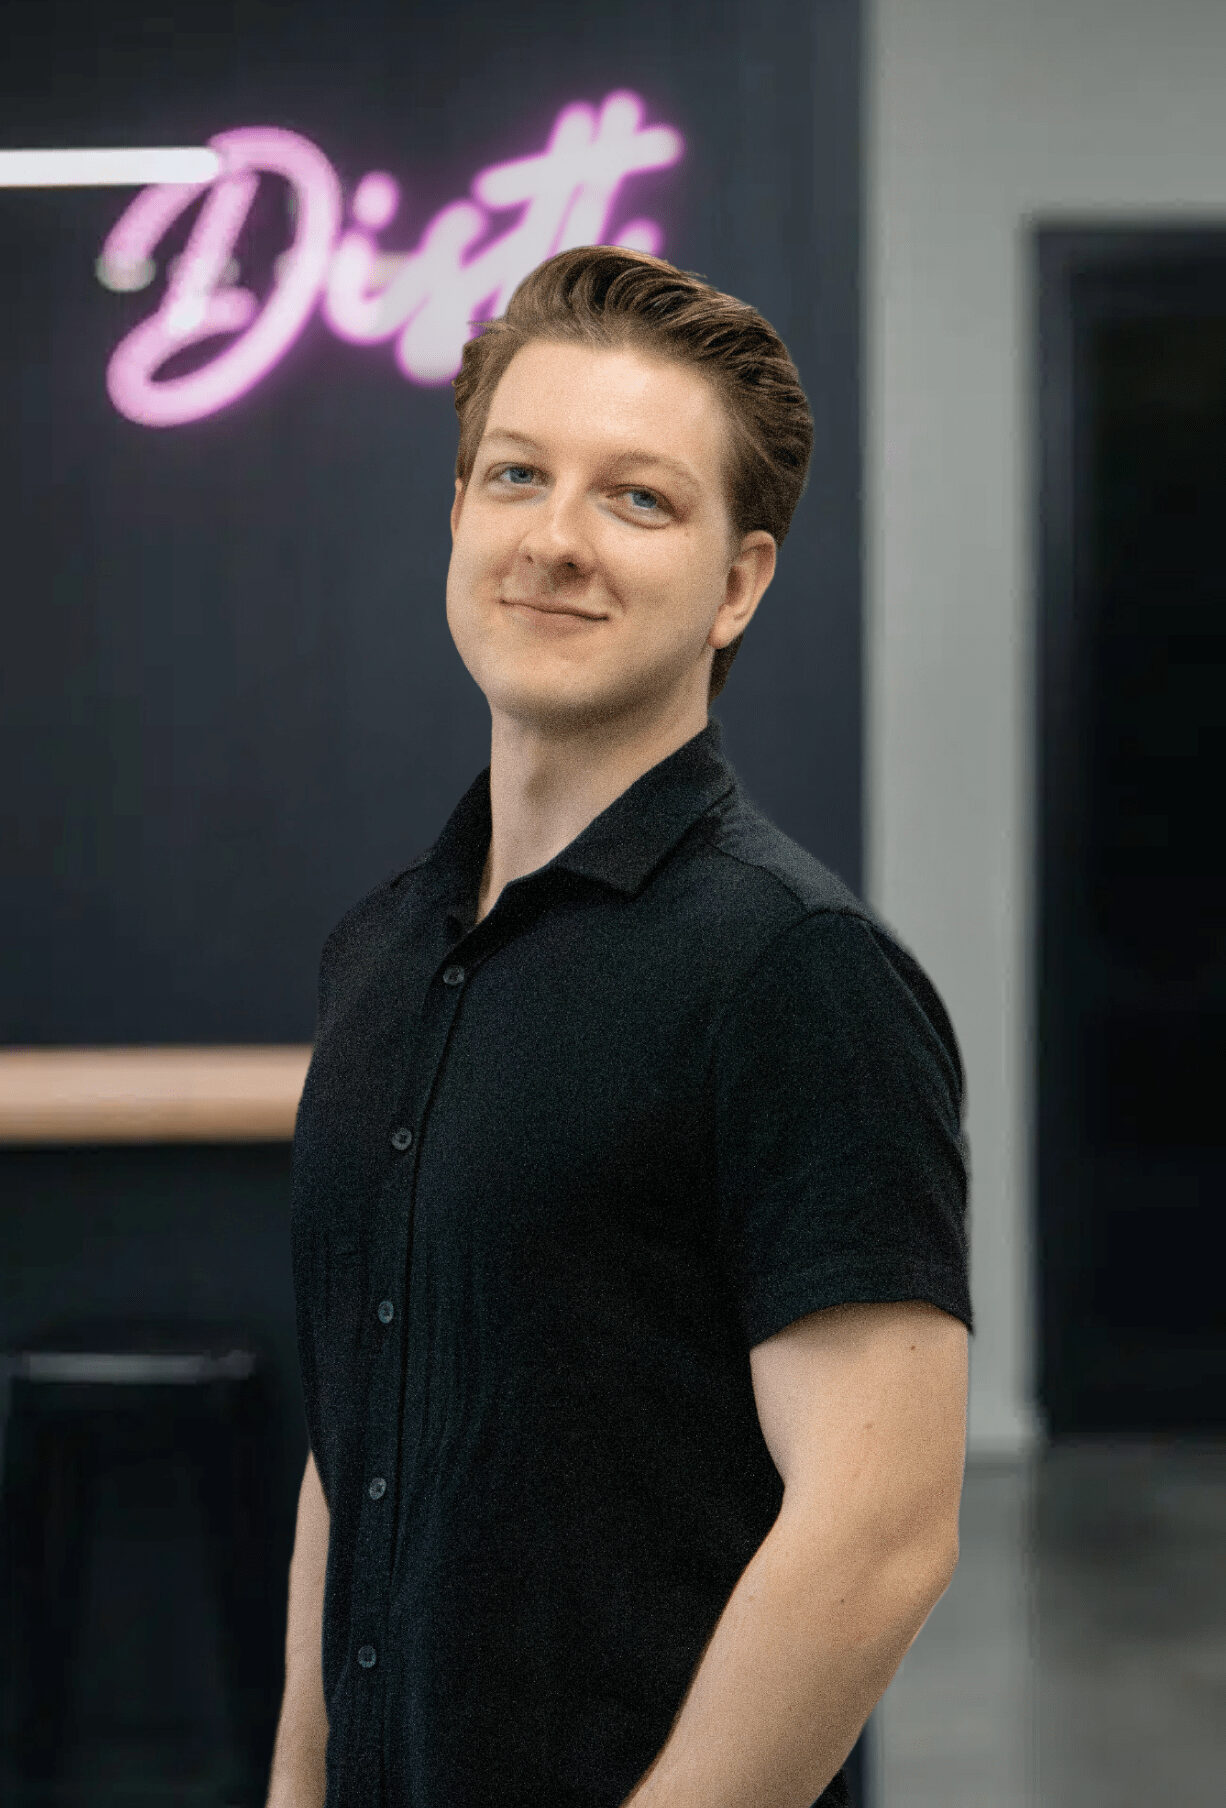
(176, 1094)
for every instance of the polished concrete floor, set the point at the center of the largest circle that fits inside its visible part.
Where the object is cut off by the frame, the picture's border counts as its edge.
(1078, 1658)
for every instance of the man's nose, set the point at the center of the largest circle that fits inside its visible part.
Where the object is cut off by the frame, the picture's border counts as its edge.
(555, 540)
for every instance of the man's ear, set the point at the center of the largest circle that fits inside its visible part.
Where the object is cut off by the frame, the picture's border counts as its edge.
(748, 577)
(455, 507)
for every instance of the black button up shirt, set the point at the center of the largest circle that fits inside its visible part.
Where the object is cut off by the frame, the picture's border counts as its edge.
(554, 1174)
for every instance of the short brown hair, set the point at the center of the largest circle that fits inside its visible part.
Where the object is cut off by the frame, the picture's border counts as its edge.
(603, 295)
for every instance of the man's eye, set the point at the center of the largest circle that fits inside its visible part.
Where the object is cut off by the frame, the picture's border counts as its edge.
(518, 475)
(643, 501)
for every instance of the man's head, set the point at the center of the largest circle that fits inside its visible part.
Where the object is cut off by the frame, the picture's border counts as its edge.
(632, 446)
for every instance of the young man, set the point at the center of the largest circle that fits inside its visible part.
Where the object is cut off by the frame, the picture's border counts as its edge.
(629, 1179)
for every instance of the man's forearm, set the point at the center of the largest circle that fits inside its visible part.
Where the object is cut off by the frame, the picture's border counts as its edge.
(802, 1653)
(298, 1777)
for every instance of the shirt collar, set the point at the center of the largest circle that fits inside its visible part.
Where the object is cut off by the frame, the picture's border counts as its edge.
(621, 847)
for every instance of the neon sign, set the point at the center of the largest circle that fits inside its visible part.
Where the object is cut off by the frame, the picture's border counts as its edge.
(426, 300)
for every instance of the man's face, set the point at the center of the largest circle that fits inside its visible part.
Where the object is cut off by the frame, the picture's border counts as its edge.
(592, 556)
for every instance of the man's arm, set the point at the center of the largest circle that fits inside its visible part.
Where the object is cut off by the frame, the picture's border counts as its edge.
(298, 1778)
(863, 1409)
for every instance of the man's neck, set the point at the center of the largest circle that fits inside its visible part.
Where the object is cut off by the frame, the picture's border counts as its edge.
(544, 791)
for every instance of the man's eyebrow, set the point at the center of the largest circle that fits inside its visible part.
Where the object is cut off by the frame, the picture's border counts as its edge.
(521, 439)
(635, 456)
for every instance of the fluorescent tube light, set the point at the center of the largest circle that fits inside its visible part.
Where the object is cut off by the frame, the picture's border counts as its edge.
(135, 168)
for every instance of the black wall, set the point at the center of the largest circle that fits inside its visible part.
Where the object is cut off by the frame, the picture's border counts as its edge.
(231, 704)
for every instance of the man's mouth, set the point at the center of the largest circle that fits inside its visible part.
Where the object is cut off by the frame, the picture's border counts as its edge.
(543, 605)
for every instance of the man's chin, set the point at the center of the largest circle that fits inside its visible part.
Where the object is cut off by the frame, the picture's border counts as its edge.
(563, 707)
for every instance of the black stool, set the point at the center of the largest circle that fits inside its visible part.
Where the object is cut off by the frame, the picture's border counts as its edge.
(85, 1398)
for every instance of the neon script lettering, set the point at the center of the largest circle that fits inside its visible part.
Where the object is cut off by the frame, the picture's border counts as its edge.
(426, 300)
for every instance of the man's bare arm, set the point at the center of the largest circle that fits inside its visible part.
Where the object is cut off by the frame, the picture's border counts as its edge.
(803, 1652)
(298, 1778)
(863, 1410)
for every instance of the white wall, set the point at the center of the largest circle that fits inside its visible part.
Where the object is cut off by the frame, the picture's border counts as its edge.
(981, 114)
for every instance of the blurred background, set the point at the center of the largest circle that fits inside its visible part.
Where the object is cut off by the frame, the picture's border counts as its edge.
(986, 688)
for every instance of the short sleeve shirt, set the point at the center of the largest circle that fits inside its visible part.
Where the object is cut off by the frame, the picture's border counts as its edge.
(554, 1175)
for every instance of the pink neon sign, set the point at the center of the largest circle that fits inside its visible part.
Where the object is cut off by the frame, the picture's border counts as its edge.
(425, 300)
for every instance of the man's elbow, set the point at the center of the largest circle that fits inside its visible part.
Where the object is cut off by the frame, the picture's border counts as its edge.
(894, 1578)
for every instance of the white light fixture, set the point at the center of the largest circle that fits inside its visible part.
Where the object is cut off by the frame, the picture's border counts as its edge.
(137, 168)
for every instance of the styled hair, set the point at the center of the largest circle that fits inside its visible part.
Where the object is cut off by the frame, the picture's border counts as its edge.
(611, 298)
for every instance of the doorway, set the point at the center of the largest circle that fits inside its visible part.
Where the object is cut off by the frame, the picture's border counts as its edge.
(1131, 828)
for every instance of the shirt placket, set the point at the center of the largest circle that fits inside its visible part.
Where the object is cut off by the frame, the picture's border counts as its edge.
(396, 1375)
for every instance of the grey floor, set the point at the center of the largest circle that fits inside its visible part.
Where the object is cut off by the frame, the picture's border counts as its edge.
(1078, 1658)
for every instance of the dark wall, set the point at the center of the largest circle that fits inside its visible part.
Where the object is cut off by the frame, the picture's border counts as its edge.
(231, 704)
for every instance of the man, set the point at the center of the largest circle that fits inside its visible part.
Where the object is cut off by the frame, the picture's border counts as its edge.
(629, 1181)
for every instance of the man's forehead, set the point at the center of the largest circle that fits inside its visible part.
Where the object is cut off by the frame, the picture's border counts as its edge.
(621, 369)
(632, 410)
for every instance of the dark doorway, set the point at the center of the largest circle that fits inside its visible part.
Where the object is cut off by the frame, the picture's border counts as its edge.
(1131, 737)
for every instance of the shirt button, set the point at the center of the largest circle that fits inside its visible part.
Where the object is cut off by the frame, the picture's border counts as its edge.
(453, 976)
(377, 1488)
(401, 1138)
(366, 1656)
(387, 1311)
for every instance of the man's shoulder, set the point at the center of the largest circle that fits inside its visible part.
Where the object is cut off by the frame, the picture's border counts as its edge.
(807, 920)
(769, 874)
(374, 908)
(787, 904)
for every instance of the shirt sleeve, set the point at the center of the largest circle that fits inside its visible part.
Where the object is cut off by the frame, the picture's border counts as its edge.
(842, 1163)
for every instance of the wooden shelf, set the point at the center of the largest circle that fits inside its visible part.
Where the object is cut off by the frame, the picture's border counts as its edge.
(151, 1095)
